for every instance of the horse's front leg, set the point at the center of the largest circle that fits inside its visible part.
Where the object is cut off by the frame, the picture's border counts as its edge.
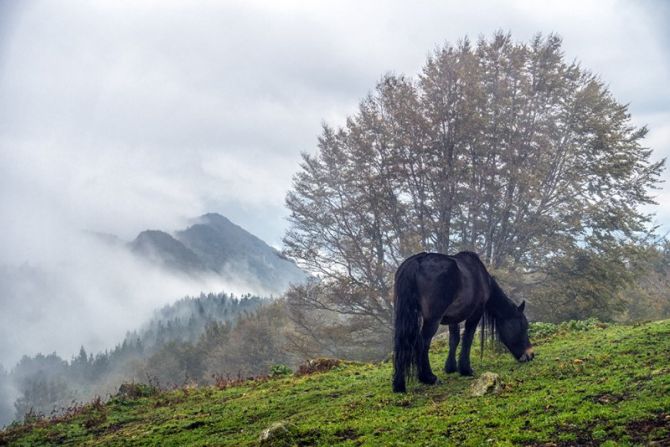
(423, 364)
(454, 338)
(468, 335)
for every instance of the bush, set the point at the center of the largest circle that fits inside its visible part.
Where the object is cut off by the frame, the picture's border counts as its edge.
(136, 390)
(317, 365)
(581, 325)
(280, 370)
(542, 330)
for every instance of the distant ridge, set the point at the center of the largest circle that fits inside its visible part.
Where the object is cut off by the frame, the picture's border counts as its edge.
(213, 244)
(162, 248)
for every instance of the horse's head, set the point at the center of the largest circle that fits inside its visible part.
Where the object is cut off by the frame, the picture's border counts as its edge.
(513, 333)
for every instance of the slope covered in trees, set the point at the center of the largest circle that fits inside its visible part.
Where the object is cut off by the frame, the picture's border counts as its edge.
(186, 341)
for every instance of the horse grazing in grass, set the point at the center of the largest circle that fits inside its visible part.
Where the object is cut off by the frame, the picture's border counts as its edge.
(433, 289)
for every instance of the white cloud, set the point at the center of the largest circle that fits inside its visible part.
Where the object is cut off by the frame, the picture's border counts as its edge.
(88, 294)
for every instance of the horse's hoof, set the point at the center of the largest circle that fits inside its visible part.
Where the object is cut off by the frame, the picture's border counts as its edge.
(399, 387)
(429, 380)
(450, 368)
(467, 372)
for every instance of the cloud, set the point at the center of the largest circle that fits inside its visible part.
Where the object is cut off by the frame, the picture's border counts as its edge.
(157, 93)
(91, 293)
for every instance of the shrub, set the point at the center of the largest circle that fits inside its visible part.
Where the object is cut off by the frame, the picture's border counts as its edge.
(280, 370)
(317, 365)
(542, 330)
(581, 325)
(136, 390)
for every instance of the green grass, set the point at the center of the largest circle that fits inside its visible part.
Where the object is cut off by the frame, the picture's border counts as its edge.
(590, 385)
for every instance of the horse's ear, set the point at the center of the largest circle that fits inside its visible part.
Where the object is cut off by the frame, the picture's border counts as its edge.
(522, 306)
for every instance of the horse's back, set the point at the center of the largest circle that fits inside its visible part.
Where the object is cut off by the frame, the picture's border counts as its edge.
(449, 287)
(409, 261)
(437, 282)
(472, 260)
(434, 271)
(478, 277)
(436, 266)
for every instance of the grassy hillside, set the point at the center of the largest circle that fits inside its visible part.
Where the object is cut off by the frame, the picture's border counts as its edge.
(590, 384)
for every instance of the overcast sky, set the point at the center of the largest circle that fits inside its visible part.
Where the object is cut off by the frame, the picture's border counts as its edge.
(117, 116)
(123, 115)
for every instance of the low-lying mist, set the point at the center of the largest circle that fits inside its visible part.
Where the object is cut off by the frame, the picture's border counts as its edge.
(84, 290)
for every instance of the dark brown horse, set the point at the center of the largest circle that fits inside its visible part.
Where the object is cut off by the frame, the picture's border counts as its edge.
(433, 289)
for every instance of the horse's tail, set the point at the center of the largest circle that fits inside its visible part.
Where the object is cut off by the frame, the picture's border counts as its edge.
(407, 325)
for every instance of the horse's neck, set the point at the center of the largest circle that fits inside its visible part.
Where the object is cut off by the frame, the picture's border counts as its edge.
(499, 304)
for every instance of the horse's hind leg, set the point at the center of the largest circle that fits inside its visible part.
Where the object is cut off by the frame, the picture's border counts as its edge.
(468, 335)
(423, 365)
(454, 338)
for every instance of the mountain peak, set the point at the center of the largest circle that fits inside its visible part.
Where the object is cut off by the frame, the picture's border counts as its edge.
(214, 217)
(213, 243)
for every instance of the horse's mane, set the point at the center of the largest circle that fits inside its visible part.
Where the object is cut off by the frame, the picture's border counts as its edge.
(499, 306)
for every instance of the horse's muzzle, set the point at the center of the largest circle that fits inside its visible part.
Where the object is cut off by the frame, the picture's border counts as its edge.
(527, 356)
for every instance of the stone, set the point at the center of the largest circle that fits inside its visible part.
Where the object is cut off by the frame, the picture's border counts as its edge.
(487, 383)
(279, 434)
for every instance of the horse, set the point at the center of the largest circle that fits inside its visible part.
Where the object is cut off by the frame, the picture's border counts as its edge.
(433, 289)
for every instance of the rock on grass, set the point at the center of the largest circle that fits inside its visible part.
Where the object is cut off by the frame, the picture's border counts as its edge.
(279, 434)
(487, 383)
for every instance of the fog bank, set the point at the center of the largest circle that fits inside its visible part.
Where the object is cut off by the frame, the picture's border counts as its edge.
(86, 291)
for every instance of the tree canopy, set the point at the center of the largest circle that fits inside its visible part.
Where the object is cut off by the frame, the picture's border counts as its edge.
(499, 147)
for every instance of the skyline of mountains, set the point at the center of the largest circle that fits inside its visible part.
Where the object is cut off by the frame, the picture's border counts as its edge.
(213, 244)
